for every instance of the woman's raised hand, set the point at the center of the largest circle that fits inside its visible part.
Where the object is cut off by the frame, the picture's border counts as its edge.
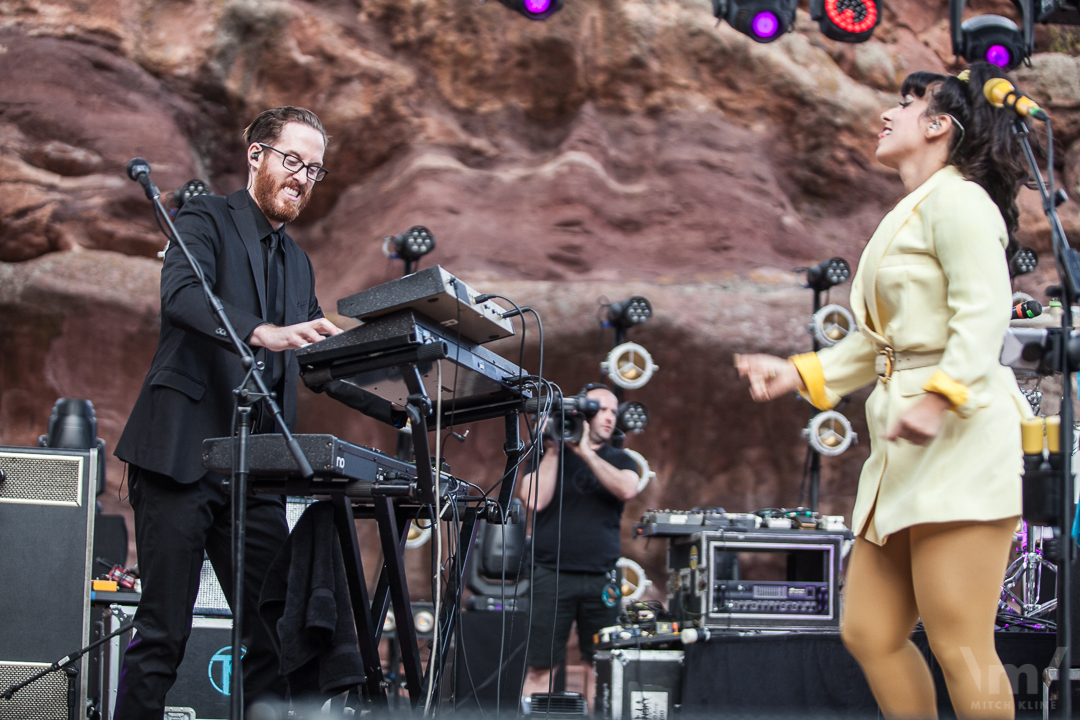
(769, 376)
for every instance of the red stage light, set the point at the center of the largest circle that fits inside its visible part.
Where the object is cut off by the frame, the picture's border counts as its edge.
(851, 21)
(853, 16)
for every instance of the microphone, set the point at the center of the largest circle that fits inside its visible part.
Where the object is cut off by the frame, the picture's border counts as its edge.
(139, 171)
(1000, 93)
(1026, 310)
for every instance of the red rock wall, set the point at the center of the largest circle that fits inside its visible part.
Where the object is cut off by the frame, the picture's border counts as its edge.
(620, 147)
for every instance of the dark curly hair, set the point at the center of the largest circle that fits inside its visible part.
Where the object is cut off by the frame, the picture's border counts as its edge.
(984, 149)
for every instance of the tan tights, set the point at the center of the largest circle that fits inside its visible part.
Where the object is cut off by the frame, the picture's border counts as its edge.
(950, 575)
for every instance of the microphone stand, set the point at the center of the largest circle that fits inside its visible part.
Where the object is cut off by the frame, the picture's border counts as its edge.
(245, 399)
(65, 663)
(1068, 265)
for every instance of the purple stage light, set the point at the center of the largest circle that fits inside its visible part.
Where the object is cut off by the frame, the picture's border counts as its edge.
(536, 7)
(998, 55)
(765, 25)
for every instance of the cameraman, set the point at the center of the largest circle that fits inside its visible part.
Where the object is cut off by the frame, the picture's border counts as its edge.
(576, 539)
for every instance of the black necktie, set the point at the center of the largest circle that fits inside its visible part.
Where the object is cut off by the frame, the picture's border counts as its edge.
(275, 301)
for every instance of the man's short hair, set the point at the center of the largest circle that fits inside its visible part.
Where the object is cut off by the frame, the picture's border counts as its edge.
(596, 386)
(266, 128)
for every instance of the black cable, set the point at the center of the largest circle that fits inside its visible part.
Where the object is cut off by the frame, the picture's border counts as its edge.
(1050, 161)
(535, 490)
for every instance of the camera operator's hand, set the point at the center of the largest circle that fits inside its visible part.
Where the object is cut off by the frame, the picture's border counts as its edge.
(583, 447)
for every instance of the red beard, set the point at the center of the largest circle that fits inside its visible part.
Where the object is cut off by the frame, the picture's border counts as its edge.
(274, 208)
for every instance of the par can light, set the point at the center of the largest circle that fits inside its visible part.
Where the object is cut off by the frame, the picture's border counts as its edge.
(629, 312)
(762, 20)
(418, 536)
(633, 582)
(1023, 262)
(645, 473)
(629, 366)
(411, 245)
(632, 417)
(851, 21)
(424, 621)
(993, 38)
(534, 9)
(828, 273)
(830, 433)
(831, 324)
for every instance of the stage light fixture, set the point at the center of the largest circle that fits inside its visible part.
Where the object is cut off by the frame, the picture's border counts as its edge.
(827, 273)
(830, 433)
(411, 245)
(851, 21)
(390, 623)
(993, 38)
(190, 189)
(1058, 12)
(763, 20)
(73, 424)
(632, 580)
(645, 473)
(632, 417)
(629, 366)
(534, 9)
(418, 536)
(629, 312)
(831, 324)
(424, 621)
(1024, 261)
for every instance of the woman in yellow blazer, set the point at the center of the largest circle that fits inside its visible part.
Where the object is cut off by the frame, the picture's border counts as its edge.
(940, 494)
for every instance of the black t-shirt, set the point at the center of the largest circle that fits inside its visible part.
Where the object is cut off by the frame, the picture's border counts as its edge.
(590, 517)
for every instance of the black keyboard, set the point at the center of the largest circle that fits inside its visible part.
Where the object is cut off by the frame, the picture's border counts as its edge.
(340, 467)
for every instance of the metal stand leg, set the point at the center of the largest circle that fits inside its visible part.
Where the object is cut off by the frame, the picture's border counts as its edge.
(394, 567)
(239, 540)
(354, 573)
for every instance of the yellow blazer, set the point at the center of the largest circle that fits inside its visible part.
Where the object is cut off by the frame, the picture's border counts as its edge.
(932, 279)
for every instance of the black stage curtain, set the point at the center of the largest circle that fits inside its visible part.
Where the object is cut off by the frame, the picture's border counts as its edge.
(813, 674)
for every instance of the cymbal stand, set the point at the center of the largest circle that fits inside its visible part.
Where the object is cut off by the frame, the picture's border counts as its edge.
(1022, 588)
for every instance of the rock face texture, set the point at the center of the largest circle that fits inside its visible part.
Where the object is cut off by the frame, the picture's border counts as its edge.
(621, 147)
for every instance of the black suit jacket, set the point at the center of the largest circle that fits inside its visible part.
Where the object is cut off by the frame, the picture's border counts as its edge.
(187, 395)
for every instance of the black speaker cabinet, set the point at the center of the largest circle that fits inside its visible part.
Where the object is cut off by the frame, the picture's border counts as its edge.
(201, 690)
(46, 544)
(481, 683)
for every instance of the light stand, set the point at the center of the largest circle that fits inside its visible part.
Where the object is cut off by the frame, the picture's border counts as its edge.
(820, 278)
(139, 170)
(409, 247)
(1068, 264)
(622, 316)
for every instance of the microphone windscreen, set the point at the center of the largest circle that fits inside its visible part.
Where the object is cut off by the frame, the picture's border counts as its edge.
(996, 89)
(137, 167)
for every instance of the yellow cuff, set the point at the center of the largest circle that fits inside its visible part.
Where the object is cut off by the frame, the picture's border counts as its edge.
(813, 377)
(942, 384)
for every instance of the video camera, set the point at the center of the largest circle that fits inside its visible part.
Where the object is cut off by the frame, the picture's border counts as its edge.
(565, 424)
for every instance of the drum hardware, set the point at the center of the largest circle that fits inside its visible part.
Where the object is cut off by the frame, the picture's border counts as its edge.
(1021, 593)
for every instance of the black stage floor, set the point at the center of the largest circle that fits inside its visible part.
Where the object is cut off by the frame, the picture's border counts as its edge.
(812, 674)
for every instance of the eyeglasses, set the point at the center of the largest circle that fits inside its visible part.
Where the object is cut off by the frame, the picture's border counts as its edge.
(294, 164)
